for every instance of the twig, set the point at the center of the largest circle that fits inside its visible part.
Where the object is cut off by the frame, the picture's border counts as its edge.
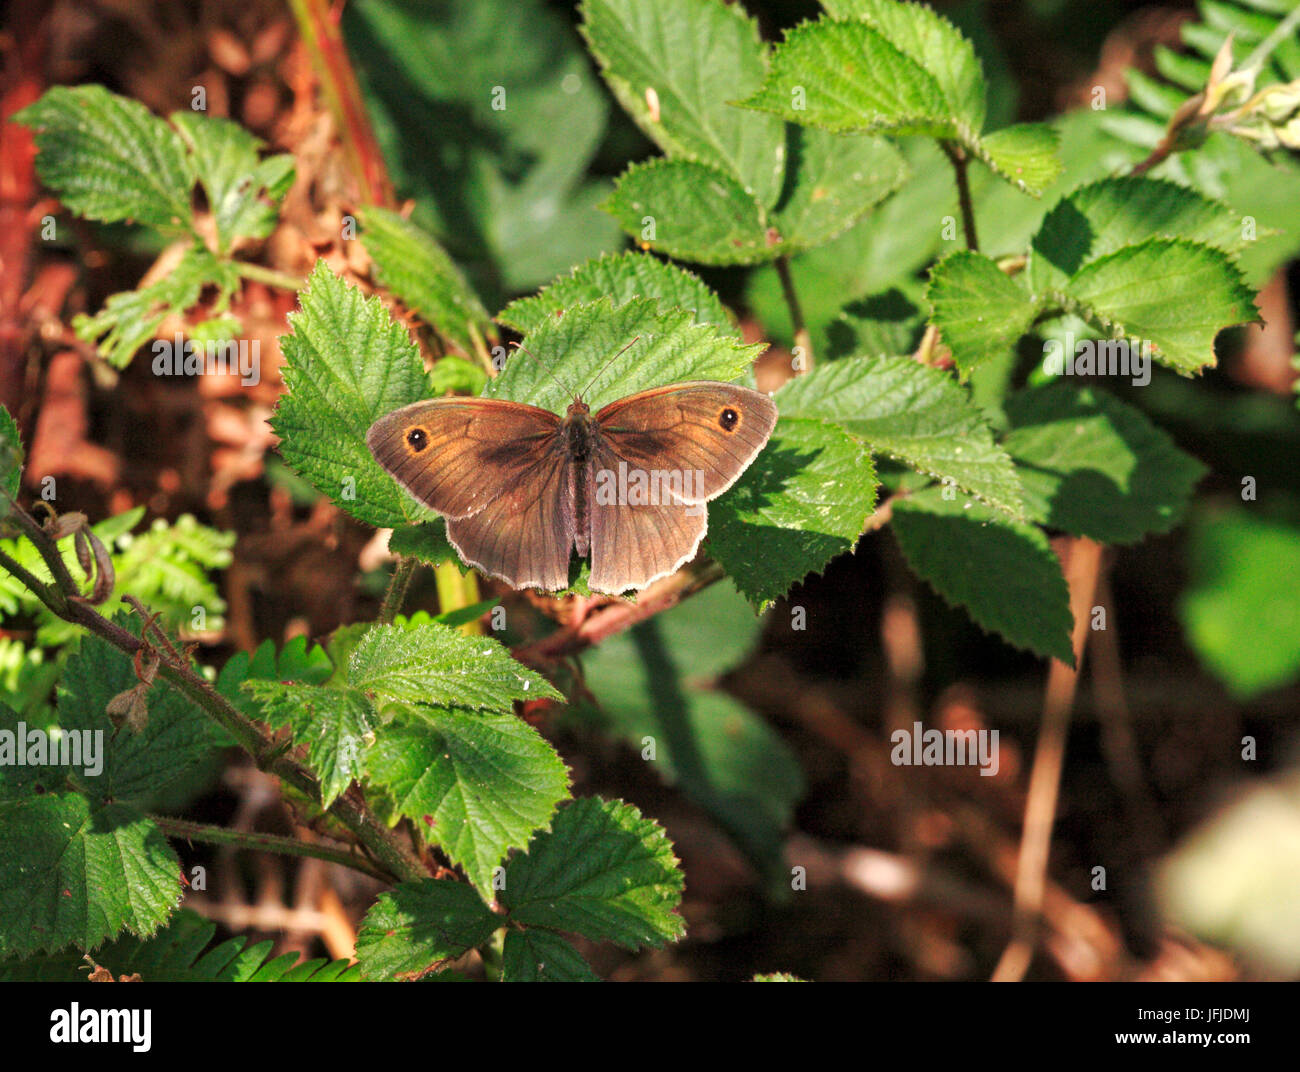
(802, 336)
(1082, 567)
(398, 585)
(960, 162)
(254, 842)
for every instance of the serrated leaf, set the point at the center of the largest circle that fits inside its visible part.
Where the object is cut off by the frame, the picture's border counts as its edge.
(837, 178)
(347, 363)
(130, 319)
(848, 77)
(1131, 291)
(913, 413)
(242, 190)
(601, 871)
(1241, 609)
(434, 664)
(694, 212)
(476, 783)
(410, 262)
(76, 872)
(577, 352)
(335, 724)
(980, 311)
(696, 55)
(1025, 154)
(933, 42)
(109, 158)
(537, 956)
(427, 542)
(176, 738)
(1001, 571)
(880, 325)
(417, 927)
(620, 277)
(1095, 467)
(1103, 217)
(803, 501)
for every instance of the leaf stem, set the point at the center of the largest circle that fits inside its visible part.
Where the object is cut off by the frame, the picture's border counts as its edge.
(270, 276)
(960, 163)
(802, 336)
(254, 842)
(398, 585)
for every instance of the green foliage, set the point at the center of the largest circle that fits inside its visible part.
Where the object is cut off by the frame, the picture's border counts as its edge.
(877, 66)
(602, 872)
(110, 159)
(653, 689)
(727, 192)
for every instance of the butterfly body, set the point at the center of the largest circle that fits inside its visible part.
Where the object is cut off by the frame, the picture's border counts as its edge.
(522, 488)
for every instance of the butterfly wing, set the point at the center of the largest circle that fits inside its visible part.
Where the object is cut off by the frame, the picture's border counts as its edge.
(498, 471)
(691, 441)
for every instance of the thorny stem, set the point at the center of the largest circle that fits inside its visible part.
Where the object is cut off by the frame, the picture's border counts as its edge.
(398, 585)
(65, 601)
(254, 842)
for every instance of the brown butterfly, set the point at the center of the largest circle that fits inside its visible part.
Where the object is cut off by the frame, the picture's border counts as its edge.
(521, 487)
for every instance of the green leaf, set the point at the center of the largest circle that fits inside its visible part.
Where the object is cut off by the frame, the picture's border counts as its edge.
(602, 871)
(933, 42)
(11, 458)
(488, 115)
(1103, 217)
(476, 783)
(980, 311)
(452, 374)
(578, 352)
(347, 363)
(1095, 467)
(696, 55)
(694, 212)
(803, 501)
(335, 724)
(73, 871)
(411, 263)
(434, 664)
(241, 189)
(174, 741)
(417, 927)
(848, 77)
(537, 956)
(913, 413)
(109, 158)
(130, 319)
(1132, 293)
(838, 178)
(1017, 591)
(1024, 154)
(427, 542)
(1241, 610)
(620, 277)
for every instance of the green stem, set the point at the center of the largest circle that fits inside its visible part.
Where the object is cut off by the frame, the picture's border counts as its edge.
(398, 585)
(802, 336)
(254, 842)
(960, 162)
(269, 276)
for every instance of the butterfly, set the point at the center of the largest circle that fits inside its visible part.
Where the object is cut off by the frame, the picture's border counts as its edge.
(522, 487)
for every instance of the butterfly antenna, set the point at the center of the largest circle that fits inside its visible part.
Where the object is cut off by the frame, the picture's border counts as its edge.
(606, 365)
(548, 368)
